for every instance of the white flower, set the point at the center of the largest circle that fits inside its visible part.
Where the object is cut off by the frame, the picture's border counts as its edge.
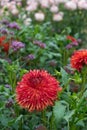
(76, 1)
(24, 16)
(57, 17)
(71, 5)
(61, 13)
(85, 5)
(27, 21)
(15, 11)
(10, 6)
(39, 16)
(28, 2)
(2, 2)
(32, 6)
(60, 1)
(1, 12)
(13, 2)
(19, 4)
(51, 2)
(44, 3)
(82, 4)
(54, 9)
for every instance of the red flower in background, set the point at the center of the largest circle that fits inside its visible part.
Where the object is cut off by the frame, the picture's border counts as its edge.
(3, 44)
(79, 59)
(37, 90)
(2, 38)
(71, 38)
(6, 47)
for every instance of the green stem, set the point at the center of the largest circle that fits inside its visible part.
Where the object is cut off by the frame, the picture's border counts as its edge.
(52, 123)
(64, 58)
(84, 73)
(73, 127)
(68, 125)
(20, 125)
(12, 80)
(44, 121)
(83, 81)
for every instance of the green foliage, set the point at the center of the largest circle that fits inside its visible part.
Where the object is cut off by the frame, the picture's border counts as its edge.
(59, 111)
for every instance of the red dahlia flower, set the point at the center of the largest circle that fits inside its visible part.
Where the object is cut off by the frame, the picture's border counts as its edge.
(37, 90)
(2, 38)
(4, 44)
(79, 59)
(6, 47)
(71, 38)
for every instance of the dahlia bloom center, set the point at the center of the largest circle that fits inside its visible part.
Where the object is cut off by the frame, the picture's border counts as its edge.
(36, 82)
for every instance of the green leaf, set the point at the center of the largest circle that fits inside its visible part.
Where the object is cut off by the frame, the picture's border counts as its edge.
(65, 77)
(59, 111)
(69, 115)
(85, 94)
(19, 118)
(80, 123)
(67, 98)
(76, 35)
(4, 120)
(52, 44)
(55, 54)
